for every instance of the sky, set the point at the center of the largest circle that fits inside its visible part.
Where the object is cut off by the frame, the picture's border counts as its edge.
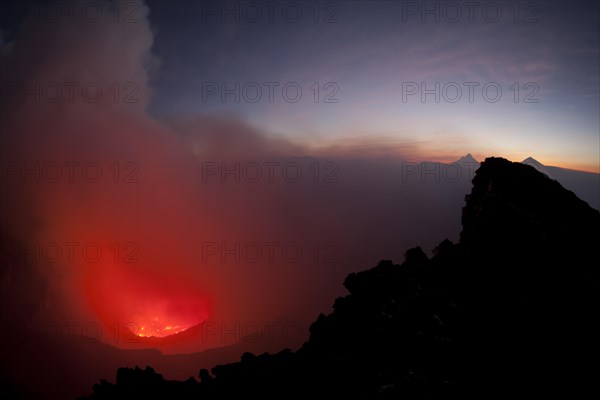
(374, 59)
(159, 136)
(441, 79)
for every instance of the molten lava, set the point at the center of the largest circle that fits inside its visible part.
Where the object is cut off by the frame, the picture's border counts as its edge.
(157, 328)
(167, 320)
(144, 302)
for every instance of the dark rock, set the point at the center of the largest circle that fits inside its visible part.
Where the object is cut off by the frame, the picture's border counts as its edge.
(507, 312)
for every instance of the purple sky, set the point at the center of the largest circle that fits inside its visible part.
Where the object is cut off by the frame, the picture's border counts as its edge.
(369, 61)
(376, 57)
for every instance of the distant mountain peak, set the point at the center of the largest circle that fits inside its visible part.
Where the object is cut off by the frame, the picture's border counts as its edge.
(468, 159)
(536, 164)
(531, 160)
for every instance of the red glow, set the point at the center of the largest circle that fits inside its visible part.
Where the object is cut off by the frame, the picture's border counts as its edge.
(160, 319)
(144, 301)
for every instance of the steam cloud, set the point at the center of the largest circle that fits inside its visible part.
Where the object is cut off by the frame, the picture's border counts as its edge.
(195, 217)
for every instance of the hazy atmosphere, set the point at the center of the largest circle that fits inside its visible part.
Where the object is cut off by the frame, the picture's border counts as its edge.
(184, 176)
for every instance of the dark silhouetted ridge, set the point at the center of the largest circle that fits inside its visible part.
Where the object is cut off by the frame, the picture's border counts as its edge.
(508, 312)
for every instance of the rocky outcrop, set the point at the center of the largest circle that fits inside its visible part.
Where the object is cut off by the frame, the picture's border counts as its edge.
(507, 312)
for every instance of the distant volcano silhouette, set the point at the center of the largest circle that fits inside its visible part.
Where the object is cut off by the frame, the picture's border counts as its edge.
(509, 311)
(468, 159)
(537, 165)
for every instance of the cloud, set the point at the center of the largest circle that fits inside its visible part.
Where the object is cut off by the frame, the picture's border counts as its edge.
(205, 210)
